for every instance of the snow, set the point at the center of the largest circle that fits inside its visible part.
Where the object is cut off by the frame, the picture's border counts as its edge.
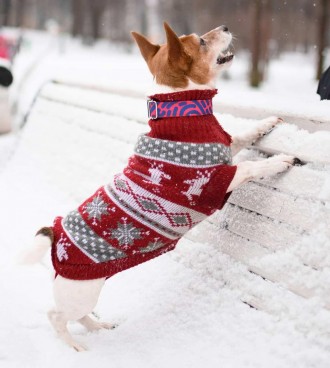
(291, 89)
(183, 309)
(7, 146)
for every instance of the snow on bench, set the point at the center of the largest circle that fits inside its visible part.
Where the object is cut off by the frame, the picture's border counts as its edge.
(5, 119)
(278, 227)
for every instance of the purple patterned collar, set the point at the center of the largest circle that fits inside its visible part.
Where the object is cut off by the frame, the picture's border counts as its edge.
(169, 109)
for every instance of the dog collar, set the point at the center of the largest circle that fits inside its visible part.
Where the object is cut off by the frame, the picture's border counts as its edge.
(170, 109)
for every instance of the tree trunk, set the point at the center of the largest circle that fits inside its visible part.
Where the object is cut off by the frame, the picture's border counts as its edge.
(256, 74)
(17, 12)
(96, 11)
(4, 12)
(77, 18)
(266, 35)
(321, 38)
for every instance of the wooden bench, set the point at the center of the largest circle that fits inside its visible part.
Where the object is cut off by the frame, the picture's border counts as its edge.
(279, 228)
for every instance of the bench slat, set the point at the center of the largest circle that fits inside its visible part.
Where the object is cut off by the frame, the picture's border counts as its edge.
(253, 255)
(95, 122)
(258, 292)
(97, 101)
(264, 230)
(300, 212)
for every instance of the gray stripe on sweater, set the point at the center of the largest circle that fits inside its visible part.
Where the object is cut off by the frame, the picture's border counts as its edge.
(92, 245)
(195, 155)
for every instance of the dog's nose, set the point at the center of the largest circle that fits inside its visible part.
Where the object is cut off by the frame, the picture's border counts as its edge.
(224, 28)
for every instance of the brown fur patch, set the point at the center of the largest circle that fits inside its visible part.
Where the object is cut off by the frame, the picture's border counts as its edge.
(192, 63)
(46, 231)
(181, 59)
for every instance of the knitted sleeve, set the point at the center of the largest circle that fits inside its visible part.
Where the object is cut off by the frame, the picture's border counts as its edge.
(214, 194)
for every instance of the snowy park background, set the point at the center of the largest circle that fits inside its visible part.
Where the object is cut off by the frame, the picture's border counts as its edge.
(183, 309)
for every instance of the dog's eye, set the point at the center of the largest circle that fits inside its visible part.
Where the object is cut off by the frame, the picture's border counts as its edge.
(202, 42)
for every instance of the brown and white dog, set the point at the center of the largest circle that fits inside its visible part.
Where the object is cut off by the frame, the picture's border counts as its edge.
(184, 63)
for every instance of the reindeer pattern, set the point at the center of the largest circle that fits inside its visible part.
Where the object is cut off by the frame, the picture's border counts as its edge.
(196, 184)
(157, 174)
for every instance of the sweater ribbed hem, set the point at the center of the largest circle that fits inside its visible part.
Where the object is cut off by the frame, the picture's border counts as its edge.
(194, 129)
(99, 270)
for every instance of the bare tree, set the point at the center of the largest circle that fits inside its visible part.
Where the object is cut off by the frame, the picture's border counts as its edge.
(256, 74)
(4, 12)
(77, 17)
(261, 30)
(114, 19)
(20, 8)
(322, 33)
(96, 9)
(117, 10)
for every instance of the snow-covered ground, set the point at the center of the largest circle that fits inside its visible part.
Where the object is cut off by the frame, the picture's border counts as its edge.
(180, 310)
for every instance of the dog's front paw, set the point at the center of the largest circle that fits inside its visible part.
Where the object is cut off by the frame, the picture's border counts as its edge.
(271, 121)
(266, 125)
(278, 164)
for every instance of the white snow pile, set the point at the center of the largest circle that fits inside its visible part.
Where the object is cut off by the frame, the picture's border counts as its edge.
(183, 309)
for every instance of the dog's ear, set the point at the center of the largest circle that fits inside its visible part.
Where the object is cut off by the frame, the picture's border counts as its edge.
(148, 49)
(175, 47)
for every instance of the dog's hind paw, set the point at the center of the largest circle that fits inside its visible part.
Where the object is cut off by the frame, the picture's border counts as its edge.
(93, 325)
(78, 347)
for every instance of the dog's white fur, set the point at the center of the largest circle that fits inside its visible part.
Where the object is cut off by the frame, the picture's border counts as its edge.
(75, 300)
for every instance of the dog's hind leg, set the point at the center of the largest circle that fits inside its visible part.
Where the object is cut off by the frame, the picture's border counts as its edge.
(59, 322)
(74, 300)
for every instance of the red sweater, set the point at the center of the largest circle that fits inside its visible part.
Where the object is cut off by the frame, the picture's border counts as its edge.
(178, 175)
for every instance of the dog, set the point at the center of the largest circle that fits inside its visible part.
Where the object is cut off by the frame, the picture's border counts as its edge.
(180, 173)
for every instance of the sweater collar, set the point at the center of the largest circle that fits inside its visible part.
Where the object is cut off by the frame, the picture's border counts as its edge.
(181, 104)
(199, 129)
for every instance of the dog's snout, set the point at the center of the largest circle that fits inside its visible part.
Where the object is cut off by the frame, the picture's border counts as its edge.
(224, 28)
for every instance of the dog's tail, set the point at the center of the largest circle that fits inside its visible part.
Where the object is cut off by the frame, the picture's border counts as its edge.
(42, 242)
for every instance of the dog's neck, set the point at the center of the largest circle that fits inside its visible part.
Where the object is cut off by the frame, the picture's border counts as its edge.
(195, 129)
(162, 88)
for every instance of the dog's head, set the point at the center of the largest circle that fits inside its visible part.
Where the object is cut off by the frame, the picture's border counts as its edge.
(194, 58)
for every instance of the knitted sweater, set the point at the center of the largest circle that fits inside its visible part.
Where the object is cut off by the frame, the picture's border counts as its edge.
(177, 176)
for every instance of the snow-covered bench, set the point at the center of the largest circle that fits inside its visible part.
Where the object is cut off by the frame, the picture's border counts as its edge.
(5, 119)
(279, 228)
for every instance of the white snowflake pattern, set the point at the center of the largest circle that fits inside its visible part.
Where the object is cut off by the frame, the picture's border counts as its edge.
(126, 233)
(96, 208)
(156, 244)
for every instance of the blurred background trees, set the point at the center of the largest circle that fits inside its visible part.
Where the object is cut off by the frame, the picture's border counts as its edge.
(322, 35)
(264, 28)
